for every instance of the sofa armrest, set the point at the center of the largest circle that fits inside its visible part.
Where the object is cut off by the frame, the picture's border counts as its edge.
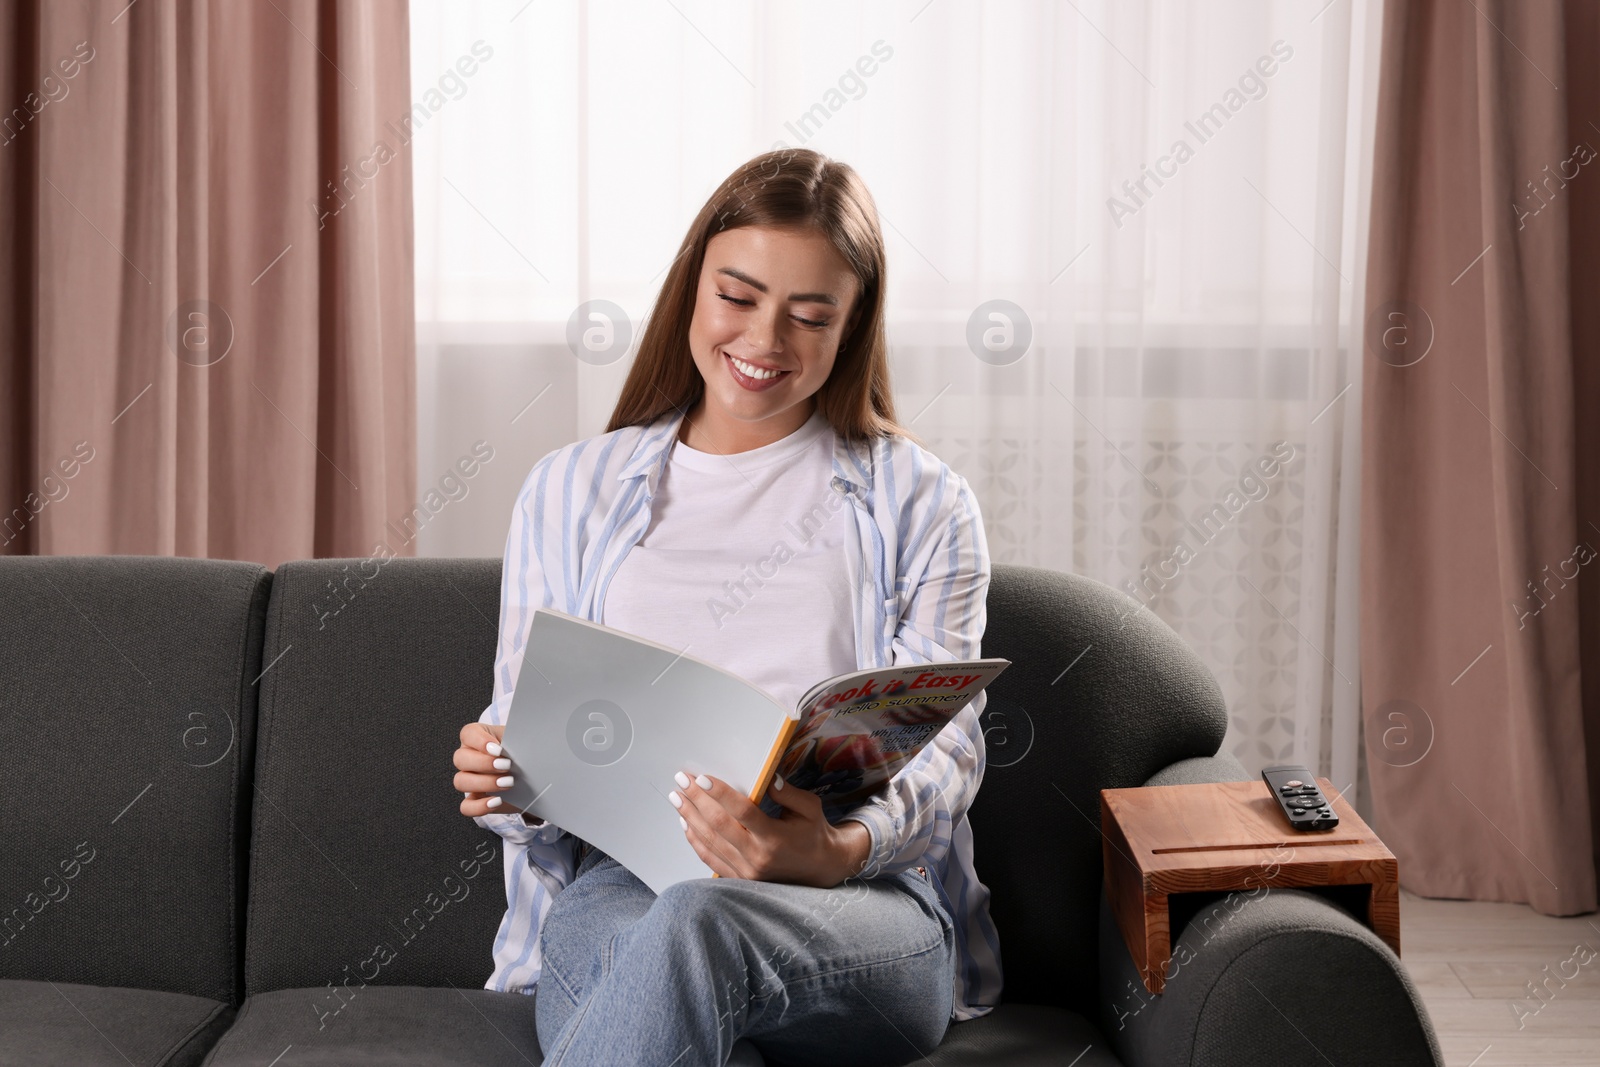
(1223, 767)
(1283, 975)
(1261, 976)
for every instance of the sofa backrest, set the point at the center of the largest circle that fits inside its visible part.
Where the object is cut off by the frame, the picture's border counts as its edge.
(363, 870)
(372, 670)
(126, 749)
(1101, 695)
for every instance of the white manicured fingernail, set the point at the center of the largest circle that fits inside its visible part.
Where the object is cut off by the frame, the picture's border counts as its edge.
(777, 783)
(703, 782)
(494, 802)
(502, 765)
(504, 781)
(682, 780)
(683, 822)
(677, 801)
(494, 749)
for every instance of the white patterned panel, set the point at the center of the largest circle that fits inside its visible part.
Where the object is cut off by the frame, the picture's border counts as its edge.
(1235, 602)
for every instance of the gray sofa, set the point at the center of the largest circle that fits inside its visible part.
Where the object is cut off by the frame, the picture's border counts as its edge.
(231, 838)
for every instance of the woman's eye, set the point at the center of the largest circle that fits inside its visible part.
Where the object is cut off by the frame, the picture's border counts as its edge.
(747, 303)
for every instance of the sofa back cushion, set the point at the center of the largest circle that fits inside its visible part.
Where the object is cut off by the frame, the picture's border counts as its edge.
(126, 745)
(363, 869)
(1101, 695)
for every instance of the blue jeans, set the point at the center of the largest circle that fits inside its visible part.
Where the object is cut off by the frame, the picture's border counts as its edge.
(858, 974)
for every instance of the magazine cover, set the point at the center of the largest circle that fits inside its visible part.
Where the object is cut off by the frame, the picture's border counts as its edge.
(857, 733)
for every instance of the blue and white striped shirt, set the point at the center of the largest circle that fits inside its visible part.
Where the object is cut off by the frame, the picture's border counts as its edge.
(920, 562)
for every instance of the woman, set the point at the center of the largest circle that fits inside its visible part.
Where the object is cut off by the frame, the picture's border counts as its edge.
(766, 479)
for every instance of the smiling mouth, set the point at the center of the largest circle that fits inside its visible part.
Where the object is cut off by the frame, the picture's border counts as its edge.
(751, 370)
(748, 376)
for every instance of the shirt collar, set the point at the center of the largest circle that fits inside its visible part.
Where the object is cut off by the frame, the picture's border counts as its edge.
(852, 461)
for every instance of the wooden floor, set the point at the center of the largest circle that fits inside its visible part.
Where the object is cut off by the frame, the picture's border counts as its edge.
(1472, 963)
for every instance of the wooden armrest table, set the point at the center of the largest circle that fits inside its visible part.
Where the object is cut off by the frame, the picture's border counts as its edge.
(1226, 836)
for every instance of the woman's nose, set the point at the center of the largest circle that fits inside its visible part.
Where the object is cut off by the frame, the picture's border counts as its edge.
(764, 334)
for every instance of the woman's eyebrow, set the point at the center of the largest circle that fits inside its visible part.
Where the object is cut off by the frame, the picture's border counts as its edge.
(809, 298)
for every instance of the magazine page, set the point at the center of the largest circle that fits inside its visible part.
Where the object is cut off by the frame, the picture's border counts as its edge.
(857, 731)
(601, 720)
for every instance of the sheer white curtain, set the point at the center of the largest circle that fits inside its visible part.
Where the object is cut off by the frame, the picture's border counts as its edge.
(1163, 201)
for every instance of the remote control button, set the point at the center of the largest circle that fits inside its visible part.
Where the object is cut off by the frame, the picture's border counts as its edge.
(1294, 783)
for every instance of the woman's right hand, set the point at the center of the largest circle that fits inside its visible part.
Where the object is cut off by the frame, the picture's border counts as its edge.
(483, 771)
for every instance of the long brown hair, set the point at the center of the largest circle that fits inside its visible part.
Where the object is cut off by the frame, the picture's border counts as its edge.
(791, 188)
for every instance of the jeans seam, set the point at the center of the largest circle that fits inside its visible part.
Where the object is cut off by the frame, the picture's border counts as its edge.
(864, 966)
(554, 1059)
(785, 986)
(576, 1021)
(581, 1003)
(566, 987)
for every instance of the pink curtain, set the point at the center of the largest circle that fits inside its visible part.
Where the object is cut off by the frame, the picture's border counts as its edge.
(1479, 538)
(206, 329)
(1583, 115)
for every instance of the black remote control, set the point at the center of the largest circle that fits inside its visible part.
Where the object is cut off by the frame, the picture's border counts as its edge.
(1297, 794)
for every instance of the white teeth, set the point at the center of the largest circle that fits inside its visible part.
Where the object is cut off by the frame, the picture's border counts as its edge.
(753, 372)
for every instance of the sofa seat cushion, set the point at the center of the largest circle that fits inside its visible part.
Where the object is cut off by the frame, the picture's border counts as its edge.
(398, 1026)
(1019, 1035)
(410, 1026)
(1025, 1035)
(44, 1024)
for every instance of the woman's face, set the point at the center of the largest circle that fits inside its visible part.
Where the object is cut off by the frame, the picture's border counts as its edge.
(777, 300)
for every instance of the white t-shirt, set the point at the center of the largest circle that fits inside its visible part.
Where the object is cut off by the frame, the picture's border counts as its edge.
(743, 564)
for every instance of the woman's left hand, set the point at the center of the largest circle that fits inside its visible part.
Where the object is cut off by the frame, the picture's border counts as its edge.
(736, 839)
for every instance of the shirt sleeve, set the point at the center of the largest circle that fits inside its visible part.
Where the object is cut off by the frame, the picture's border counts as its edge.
(912, 819)
(523, 588)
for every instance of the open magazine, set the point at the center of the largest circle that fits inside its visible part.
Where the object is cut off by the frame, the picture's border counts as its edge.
(601, 720)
